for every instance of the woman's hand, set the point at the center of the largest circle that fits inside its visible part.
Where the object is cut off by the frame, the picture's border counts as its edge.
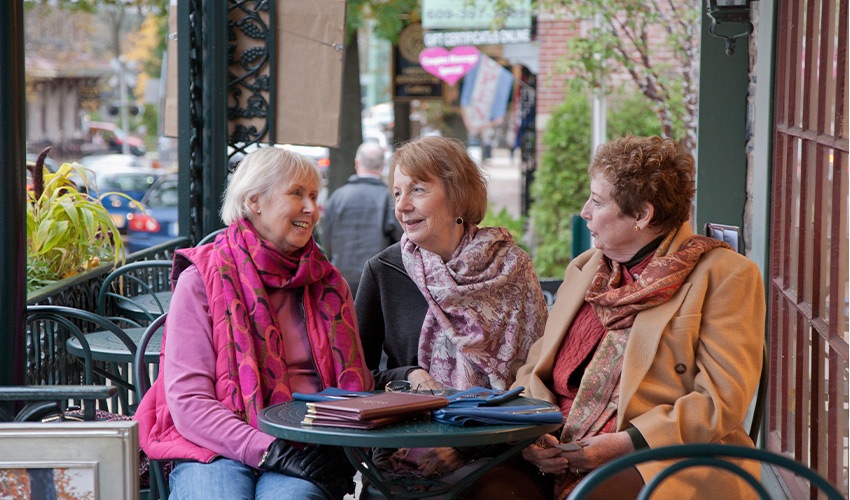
(545, 456)
(420, 379)
(598, 450)
(442, 460)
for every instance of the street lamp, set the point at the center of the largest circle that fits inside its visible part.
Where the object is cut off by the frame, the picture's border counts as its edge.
(729, 11)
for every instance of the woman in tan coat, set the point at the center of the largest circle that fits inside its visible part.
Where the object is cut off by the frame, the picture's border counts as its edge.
(656, 335)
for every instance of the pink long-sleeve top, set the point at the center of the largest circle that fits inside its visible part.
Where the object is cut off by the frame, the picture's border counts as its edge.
(189, 370)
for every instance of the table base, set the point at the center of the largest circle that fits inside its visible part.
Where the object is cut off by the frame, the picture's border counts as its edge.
(379, 482)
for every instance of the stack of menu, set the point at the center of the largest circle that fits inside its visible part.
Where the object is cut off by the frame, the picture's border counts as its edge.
(372, 411)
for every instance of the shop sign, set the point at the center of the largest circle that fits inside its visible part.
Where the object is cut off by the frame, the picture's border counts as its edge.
(410, 80)
(449, 66)
(478, 14)
(477, 37)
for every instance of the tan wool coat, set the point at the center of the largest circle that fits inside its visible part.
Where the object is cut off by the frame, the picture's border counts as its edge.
(691, 365)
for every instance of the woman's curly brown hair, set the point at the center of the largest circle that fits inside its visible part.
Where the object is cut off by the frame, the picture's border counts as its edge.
(648, 169)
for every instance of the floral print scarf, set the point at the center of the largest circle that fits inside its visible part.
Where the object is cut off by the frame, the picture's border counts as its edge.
(485, 308)
(258, 376)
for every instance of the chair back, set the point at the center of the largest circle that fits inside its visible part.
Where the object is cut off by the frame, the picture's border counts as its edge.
(550, 288)
(159, 483)
(141, 376)
(699, 455)
(726, 233)
(732, 236)
(139, 292)
(208, 238)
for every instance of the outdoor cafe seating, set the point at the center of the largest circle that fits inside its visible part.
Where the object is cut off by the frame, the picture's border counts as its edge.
(136, 293)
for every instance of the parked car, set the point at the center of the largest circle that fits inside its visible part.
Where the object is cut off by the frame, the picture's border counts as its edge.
(105, 136)
(158, 222)
(126, 174)
(103, 161)
(133, 182)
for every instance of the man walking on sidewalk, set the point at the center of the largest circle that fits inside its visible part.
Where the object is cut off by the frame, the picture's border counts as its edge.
(359, 218)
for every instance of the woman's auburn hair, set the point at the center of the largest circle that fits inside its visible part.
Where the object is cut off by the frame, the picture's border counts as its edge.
(446, 160)
(656, 170)
(258, 173)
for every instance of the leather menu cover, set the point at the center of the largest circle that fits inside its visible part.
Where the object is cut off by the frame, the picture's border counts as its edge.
(384, 404)
(323, 421)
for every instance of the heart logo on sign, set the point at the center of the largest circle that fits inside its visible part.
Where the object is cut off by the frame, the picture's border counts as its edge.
(449, 66)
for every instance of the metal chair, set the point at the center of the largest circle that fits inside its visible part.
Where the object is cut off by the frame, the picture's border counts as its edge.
(49, 328)
(141, 291)
(550, 288)
(210, 237)
(141, 377)
(732, 236)
(726, 233)
(694, 455)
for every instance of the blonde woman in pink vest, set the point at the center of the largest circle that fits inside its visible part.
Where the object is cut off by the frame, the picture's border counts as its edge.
(256, 315)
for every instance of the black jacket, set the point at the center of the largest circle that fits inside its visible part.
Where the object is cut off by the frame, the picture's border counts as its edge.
(390, 312)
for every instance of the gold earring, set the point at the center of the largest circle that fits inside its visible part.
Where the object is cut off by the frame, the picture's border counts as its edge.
(637, 228)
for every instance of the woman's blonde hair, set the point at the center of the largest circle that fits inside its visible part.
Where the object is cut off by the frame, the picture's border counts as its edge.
(445, 160)
(258, 173)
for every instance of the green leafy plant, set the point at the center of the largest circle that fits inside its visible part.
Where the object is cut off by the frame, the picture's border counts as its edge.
(561, 183)
(68, 231)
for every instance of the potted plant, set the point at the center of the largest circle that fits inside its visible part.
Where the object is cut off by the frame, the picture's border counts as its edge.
(68, 230)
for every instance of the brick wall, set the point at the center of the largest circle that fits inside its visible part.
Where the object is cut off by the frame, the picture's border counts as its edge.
(552, 36)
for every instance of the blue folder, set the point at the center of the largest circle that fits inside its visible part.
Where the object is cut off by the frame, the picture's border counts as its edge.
(498, 415)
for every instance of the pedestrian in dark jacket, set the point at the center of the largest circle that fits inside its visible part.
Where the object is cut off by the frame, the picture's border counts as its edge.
(359, 220)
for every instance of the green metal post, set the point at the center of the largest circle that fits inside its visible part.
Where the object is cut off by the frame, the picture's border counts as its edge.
(214, 125)
(12, 203)
(721, 152)
(185, 127)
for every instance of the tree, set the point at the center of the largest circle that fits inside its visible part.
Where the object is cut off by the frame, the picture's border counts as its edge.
(654, 42)
(561, 185)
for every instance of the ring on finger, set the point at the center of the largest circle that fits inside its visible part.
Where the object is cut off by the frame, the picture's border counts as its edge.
(576, 472)
(541, 471)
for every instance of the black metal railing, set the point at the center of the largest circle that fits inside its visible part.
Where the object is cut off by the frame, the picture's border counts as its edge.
(47, 362)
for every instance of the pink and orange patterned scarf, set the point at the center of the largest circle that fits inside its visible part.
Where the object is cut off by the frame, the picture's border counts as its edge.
(258, 377)
(616, 307)
(485, 308)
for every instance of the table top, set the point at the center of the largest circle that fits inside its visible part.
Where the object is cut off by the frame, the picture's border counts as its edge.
(105, 346)
(139, 306)
(284, 421)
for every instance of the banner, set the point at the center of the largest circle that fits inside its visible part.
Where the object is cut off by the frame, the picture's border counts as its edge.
(485, 95)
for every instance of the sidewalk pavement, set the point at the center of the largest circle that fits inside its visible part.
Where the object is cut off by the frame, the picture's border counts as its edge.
(504, 188)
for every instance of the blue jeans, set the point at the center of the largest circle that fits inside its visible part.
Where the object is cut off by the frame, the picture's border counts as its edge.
(225, 479)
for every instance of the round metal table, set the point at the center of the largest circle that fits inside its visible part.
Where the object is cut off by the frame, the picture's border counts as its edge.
(145, 307)
(284, 421)
(107, 347)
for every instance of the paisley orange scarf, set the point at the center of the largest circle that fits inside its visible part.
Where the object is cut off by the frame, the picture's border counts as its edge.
(616, 307)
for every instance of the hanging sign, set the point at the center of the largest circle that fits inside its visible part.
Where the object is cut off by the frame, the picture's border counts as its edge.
(485, 94)
(410, 80)
(449, 66)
